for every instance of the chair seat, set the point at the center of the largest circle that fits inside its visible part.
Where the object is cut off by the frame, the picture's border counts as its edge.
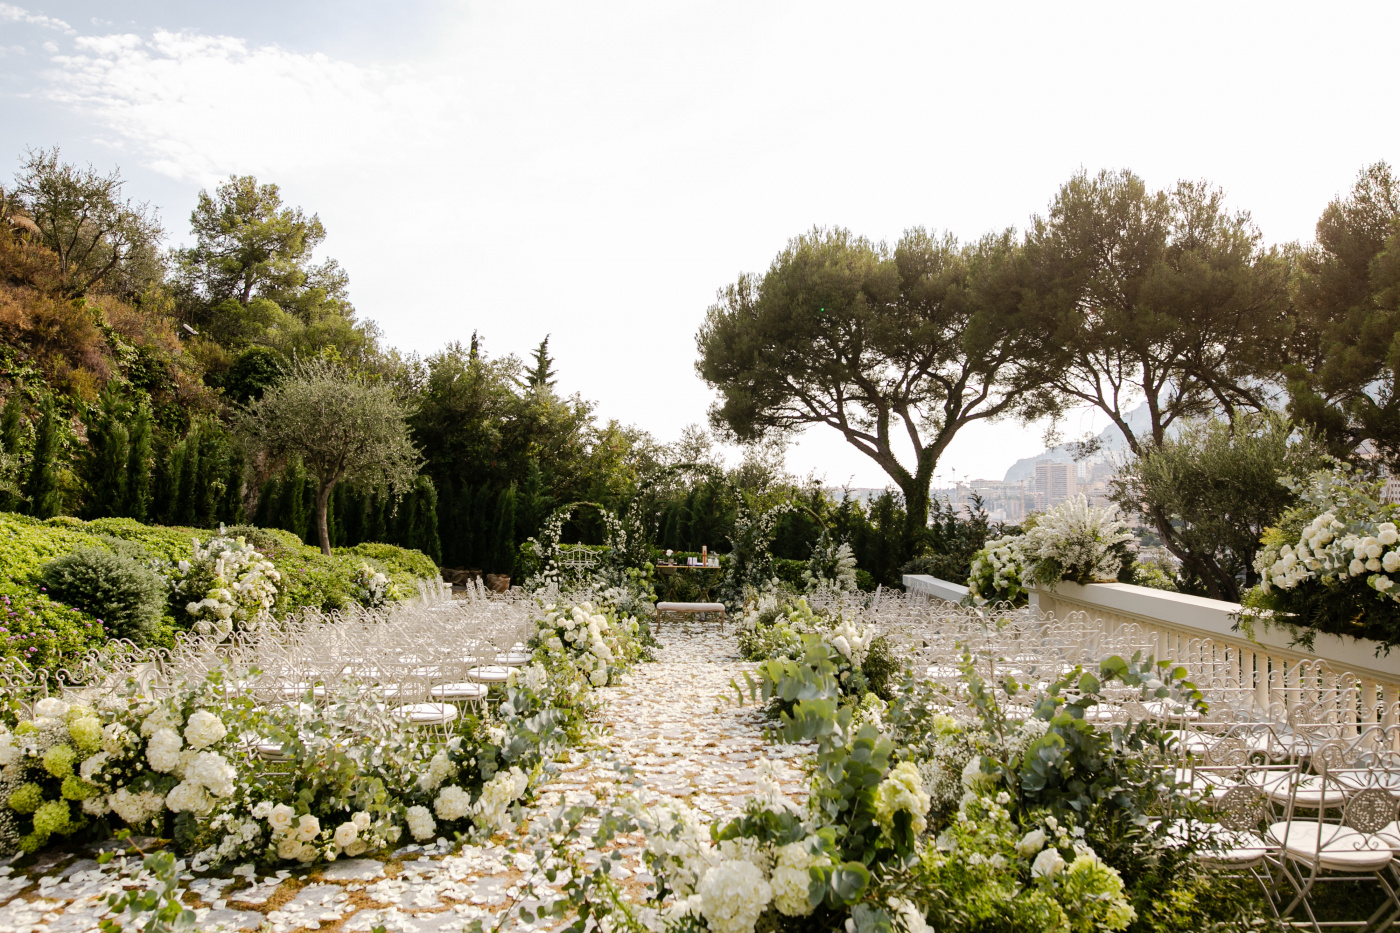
(463, 691)
(271, 751)
(426, 714)
(489, 674)
(690, 607)
(1165, 710)
(1333, 847)
(514, 658)
(1223, 848)
(295, 690)
(1310, 795)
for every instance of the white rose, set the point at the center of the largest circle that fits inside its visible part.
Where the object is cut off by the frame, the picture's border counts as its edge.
(1031, 843)
(288, 847)
(308, 828)
(346, 834)
(1047, 864)
(50, 707)
(280, 819)
(362, 819)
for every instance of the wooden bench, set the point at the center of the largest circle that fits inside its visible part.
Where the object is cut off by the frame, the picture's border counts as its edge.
(691, 609)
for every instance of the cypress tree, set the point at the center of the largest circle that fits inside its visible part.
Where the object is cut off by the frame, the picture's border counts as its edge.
(103, 464)
(12, 431)
(482, 501)
(503, 532)
(43, 488)
(686, 521)
(377, 517)
(210, 475)
(137, 502)
(188, 492)
(425, 519)
(230, 508)
(265, 515)
(169, 460)
(12, 424)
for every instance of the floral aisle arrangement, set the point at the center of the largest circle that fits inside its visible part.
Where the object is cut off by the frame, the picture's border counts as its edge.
(998, 573)
(1073, 541)
(225, 584)
(925, 822)
(229, 780)
(1332, 562)
(371, 588)
(832, 566)
(809, 654)
(591, 638)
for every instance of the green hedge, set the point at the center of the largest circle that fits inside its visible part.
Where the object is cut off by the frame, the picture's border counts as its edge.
(44, 632)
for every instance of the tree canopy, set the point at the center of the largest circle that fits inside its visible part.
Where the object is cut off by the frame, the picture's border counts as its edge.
(341, 425)
(896, 349)
(1344, 376)
(97, 236)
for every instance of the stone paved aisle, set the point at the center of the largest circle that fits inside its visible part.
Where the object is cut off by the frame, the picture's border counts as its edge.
(670, 721)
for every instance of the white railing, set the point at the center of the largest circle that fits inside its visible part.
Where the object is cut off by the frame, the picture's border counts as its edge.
(1181, 627)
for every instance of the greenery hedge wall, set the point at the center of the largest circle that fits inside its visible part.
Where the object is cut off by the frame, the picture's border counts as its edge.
(43, 632)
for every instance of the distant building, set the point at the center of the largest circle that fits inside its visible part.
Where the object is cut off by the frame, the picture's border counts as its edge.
(1054, 482)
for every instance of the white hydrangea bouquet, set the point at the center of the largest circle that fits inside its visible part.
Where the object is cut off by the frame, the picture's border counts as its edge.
(69, 765)
(998, 572)
(1332, 563)
(1073, 541)
(590, 637)
(371, 588)
(226, 583)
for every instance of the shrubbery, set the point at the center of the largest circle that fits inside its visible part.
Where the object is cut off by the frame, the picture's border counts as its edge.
(43, 628)
(127, 597)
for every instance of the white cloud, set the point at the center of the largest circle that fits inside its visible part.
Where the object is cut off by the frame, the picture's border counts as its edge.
(13, 14)
(199, 107)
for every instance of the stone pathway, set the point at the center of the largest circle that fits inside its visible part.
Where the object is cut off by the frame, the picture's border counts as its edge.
(675, 722)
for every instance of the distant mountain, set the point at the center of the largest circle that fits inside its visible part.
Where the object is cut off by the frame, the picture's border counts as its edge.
(1112, 442)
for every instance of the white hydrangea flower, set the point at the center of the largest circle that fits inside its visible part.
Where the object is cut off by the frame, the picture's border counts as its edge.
(163, 750)
(792, 879)
(453, 803)
(136, 809)
(188, 795)
(733, 895)
(421, 823)
(204, 729)
(213, 772)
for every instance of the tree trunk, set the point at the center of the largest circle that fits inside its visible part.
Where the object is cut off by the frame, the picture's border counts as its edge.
(323, 528)
(916, 503)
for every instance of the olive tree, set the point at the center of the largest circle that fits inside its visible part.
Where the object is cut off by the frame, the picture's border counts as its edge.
(343, 426)
(1219, 485)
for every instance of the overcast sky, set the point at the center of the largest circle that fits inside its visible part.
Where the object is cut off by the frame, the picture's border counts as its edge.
(595, 171)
